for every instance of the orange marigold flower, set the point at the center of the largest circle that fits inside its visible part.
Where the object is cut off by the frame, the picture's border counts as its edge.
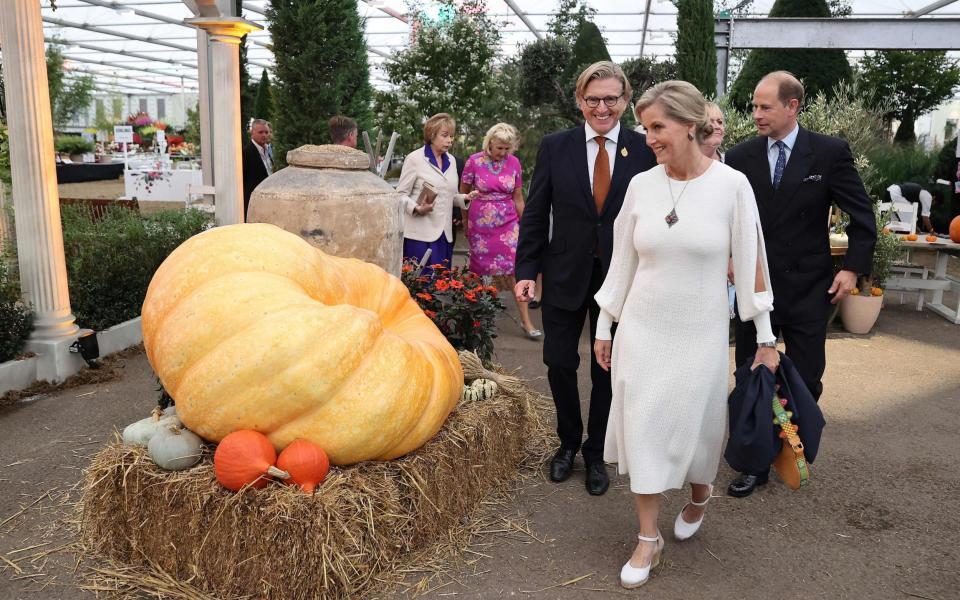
(407, 268)
(457, 285)
(470, 296)
(442, 285)
(424, 296)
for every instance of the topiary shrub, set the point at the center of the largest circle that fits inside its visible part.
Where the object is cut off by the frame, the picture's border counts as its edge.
(112, 257)
(74, 144)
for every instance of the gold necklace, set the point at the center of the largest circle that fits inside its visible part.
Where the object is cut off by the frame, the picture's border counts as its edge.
(672, 218)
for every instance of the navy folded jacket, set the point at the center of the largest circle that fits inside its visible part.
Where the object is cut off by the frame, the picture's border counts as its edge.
(754, 441)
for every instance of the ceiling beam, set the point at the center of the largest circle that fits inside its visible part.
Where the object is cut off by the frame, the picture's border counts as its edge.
(75, 69)
(643, 34)
(913, 14)
(385, 9)
(128, 67)
(254, 8)
(523, 17)
(129, 53)
(119, 34)
(136, 11)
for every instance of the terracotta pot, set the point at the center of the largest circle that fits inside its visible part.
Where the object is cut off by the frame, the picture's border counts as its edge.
(859, 313)
(327, 196)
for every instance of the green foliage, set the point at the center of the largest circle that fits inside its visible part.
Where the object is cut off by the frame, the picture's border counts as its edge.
(73, 144)
(914, 82)
(4, 155)
(67, 99)
(191, 131)
(16, 318)
(263, 106)
(696, 52)
(459, 303)
(819, 70)
(569, 18)
(247, 91)
(644, 72)
(898, 163)
(542, 66)
(885, 253)
(589, 48)
(321, 70)
(450, 67)
(112, 257)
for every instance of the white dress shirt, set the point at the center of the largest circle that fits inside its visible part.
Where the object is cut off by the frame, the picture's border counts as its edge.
(593, 149)
(267, 163)
(773, 152)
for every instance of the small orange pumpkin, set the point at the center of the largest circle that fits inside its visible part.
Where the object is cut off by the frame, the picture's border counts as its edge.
(306, 463)
(955, 229)
(855, 291)
(245, 457)
(875, 291)
(932, 238)
(911, 237)
(885, 230)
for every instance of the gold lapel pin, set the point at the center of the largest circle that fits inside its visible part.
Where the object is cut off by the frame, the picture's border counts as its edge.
(624, 152)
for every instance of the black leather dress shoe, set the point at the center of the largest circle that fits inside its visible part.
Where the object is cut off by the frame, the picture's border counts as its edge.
(745, 483)
(597, 479)
(534, 304)
(562, 465)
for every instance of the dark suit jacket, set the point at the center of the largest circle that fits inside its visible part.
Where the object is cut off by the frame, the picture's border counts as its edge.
(561, 181)
(254, 172)
(820, 172)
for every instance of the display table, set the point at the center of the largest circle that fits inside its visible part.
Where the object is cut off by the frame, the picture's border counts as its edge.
(171, 185)
(939, 282)
(80, 172)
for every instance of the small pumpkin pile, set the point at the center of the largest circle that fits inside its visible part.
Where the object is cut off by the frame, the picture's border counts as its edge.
(874, 291)
(480, 389)
(171, 446)
(247, 458)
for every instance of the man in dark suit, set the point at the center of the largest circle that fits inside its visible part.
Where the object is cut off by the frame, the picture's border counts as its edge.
(796, 175)
(257, 164)
(582, 181)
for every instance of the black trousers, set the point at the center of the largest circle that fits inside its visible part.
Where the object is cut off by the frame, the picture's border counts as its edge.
(805, 345)
(561, 331)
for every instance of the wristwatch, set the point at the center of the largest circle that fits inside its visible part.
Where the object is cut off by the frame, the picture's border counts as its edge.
(772, 344)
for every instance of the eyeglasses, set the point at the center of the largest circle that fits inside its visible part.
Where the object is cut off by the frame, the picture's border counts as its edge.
(610, 101)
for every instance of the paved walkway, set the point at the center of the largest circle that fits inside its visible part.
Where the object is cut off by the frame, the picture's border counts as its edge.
(878, 520)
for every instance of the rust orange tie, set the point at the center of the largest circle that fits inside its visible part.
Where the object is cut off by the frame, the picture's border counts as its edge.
(601, 174)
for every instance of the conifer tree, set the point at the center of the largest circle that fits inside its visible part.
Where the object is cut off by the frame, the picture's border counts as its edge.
(696, 55)
(263, 105)
(321, 69)
(819, 70)
(246, 91)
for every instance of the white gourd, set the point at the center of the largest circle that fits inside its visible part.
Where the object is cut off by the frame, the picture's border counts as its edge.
(144, 429)
(487, 387)
(175, 449)
(470, 394)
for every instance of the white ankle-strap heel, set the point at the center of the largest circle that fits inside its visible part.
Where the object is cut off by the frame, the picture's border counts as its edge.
(683, 530)
(633, 577)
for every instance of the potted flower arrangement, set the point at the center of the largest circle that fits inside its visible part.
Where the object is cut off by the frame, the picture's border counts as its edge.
(860, 310)
(74, 146)
(459, 303)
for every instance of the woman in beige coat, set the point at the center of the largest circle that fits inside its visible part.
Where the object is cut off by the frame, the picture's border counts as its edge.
(429, 221)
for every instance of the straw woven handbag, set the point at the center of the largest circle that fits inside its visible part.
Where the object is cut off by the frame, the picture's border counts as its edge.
(790, 463)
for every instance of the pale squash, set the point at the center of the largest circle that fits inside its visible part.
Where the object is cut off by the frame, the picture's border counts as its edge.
(250, 327)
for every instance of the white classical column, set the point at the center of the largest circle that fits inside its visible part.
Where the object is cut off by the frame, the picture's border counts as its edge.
(227, 147)
(43, 271)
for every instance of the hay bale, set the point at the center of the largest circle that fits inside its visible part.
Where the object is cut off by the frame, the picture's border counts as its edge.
(361, 525)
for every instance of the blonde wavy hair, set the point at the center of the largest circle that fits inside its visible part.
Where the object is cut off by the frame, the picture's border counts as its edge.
(504, 133)
(682, 102)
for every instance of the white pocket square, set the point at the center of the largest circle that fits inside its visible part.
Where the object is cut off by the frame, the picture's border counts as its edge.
(811, 178)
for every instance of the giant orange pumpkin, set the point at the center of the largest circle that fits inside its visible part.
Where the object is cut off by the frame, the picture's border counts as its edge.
(955, 229)
(250, 327)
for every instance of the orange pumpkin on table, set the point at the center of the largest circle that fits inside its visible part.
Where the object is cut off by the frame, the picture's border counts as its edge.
(955, 229)
(931, 238)
(911, 237)
(250, 327)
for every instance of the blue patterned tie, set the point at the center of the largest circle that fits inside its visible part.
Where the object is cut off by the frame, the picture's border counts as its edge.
(781, 163)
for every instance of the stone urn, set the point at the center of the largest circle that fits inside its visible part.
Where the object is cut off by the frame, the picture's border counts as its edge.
(327, 196)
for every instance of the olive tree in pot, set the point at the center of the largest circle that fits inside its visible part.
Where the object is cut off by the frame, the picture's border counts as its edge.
(860, 310)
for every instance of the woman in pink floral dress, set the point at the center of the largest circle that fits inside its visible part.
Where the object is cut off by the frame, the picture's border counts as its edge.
(493, 222)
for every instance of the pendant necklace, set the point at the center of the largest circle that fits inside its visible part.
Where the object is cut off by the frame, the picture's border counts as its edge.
(495, 167)
(672, 217)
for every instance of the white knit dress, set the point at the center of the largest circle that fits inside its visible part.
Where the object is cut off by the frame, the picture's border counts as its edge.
(667, 289)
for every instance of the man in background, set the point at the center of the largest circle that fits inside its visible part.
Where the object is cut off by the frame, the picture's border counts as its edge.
(343, 131)
(257, 164)
(902, 196)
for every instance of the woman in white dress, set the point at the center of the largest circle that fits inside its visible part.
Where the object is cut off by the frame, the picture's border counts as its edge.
(666, 288)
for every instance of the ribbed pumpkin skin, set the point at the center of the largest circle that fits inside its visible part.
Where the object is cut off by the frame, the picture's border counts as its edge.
(250, 327)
